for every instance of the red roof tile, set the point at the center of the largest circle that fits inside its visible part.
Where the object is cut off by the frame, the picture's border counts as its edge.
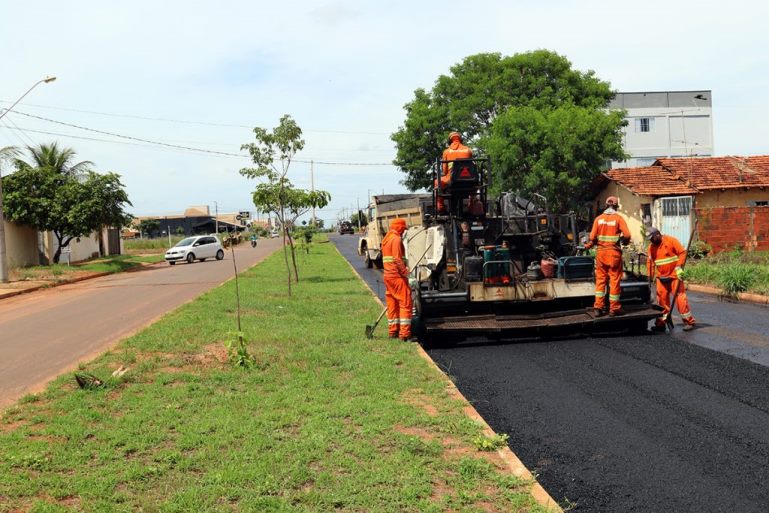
(719, 172)
(652, 181)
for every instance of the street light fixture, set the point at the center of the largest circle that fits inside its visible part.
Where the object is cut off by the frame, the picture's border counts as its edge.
(3, 258)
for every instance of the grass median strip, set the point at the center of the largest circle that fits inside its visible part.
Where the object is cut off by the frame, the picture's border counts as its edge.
(325, 421)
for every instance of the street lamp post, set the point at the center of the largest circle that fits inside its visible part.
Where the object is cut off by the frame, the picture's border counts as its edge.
(3, 254)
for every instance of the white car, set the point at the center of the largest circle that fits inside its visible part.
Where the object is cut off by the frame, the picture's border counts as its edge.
(199, 247)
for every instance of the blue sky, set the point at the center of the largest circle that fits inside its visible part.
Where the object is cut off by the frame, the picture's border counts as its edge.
(342, 70)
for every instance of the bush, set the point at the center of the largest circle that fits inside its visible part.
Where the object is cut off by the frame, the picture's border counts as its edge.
(699, 249)
(735, 278)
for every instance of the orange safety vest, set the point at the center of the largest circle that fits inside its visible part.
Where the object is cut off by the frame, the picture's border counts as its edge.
(608, 230)
(393, 255)
(665, 257)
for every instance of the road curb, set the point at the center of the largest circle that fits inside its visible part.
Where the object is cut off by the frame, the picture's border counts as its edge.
(747, 297)
(514, 464)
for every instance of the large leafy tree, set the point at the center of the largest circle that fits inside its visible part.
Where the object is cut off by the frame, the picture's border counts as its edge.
(272, 153)
(69, 200)
(517, 110)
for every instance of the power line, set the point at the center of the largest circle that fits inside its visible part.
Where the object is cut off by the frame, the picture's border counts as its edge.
(190, 148)
(188, 122)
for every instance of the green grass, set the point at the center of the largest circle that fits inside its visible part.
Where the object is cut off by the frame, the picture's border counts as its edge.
(733, 272)
(326, 420)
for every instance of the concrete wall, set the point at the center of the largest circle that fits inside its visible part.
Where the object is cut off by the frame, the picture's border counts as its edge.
(80, 249)
(629, 208)
(730, 198)
(20, 245)
(725, 228)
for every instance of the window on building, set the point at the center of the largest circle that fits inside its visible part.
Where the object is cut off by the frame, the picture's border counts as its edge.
(760, 203)
(644, 124)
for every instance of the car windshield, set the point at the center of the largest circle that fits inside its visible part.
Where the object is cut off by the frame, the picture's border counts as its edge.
(185, 242)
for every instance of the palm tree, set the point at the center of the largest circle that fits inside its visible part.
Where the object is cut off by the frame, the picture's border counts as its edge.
(52, 157)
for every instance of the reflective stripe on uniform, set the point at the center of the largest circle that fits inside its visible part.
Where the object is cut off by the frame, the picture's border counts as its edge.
(663, 261)
(388, 260)
(600, 293)
(613, 297)
(405, 321)
(392, 321)
(686, 315)
(608, 238)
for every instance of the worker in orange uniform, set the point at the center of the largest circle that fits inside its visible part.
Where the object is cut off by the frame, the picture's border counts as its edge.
(396, 279)
(666, 258)
(455, 151)
(609, 230)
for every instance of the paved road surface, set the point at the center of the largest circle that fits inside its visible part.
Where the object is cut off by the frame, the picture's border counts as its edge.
(659, 423)
(45, 333)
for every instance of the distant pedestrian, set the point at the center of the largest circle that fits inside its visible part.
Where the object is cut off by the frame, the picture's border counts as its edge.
(609, 230)
(396, 279)
(667, 257)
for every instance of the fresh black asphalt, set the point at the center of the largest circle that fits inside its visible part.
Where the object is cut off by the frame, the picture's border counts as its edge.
(658, 423)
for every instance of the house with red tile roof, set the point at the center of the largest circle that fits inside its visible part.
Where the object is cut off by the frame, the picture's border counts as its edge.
(722, 192)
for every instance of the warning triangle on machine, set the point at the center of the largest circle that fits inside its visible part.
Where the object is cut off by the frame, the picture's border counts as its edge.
(465, 173)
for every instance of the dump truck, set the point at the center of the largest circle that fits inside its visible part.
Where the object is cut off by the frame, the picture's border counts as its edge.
(383, 209)
(507, 266)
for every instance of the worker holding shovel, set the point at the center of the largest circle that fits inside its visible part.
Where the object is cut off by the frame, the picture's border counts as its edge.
(667, 258)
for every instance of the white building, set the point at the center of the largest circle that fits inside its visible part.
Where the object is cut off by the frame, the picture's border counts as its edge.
(665, 124)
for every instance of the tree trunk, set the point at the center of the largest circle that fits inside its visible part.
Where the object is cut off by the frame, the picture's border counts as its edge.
(285, 254)
(59, 246)
(293, 258)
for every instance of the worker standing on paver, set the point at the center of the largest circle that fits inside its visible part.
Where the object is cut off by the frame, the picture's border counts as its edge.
(455, 151)
(396, 279)
(609, 230)
(666, 258)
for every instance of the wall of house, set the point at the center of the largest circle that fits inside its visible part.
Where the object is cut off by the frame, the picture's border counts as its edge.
(20, 245)
(730, 198)
(725, 228)
(629, 208)
(80, 249)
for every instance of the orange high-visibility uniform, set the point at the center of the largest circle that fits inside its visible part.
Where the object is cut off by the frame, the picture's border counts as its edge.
(455, 151)
(397, 289)
(608, 230)
(666, 260)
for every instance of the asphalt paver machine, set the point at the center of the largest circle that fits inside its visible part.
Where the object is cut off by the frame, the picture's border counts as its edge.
(506, 266)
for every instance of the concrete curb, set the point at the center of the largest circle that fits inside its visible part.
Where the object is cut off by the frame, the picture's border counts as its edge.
(514, 464)
(742, 296)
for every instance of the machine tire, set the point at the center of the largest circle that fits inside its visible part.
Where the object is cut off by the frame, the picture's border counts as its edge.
(190, 257)
(378, 263)
(639, 327)
(171, 262)
(367, 259)
(220, 255)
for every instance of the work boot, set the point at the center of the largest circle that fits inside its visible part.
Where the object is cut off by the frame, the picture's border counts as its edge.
(688, 327)
(658, 328)
(393, 335)
(598, 312)
(617, 313)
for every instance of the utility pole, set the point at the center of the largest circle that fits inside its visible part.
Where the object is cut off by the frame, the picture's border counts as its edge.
(3, 254)
(312, 188)
(358, 200)
(216, 217)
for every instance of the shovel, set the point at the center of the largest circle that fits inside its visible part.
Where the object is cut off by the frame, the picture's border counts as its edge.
(371, 327)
